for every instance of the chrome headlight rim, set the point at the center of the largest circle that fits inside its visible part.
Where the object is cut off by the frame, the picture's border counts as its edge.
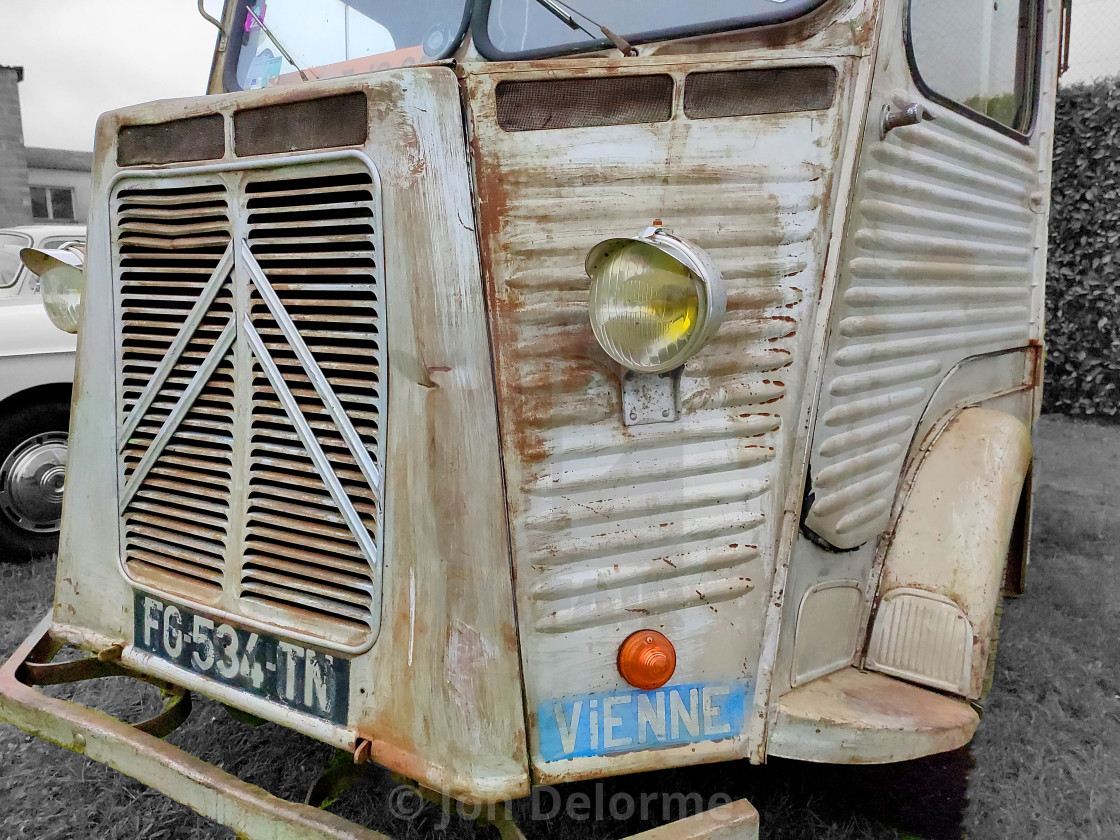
(712, 290)
(61, 273)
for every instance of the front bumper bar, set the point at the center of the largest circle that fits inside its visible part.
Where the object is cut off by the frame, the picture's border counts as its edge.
(252, 812)
(247, 809)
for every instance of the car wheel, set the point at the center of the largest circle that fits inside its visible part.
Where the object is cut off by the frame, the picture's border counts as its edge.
(33, 455)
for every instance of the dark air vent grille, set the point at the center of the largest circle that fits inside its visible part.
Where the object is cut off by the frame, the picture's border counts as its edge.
(176, 526)
(168, 243)
(250, 391)
(582, 103)
(741, 93)
(195, 138)
(296, 126)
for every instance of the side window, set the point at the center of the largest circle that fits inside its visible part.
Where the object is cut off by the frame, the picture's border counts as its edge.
(979, 54)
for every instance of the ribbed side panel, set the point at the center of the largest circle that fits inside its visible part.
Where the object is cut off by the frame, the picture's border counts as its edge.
(938, 269)
(613, 523)
(922, 638)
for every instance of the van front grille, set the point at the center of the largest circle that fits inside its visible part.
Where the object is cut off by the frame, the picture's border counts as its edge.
(250, 395)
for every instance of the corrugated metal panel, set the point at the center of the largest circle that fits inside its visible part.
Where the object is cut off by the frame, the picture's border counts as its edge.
(670, 525)
(938, 268)
(606, 510)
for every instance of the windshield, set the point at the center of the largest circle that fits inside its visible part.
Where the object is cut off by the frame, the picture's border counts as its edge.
(330, 38)
(527, 28)
(9, 264)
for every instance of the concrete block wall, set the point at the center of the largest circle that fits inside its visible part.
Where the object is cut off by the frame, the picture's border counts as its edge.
(15, 195)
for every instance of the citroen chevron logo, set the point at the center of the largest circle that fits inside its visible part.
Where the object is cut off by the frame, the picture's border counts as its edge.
(242, 267)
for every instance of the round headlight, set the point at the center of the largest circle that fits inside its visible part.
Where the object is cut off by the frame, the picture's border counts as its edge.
(61, 281)
(655, 299)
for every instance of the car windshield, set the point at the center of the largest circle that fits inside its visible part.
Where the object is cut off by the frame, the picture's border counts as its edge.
(9, 264)
(527, 28)
(329, 38)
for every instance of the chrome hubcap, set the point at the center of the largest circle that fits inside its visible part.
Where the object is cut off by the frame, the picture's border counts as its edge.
(32, 478)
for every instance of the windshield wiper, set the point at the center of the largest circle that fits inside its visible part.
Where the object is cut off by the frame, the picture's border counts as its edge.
(565, 13)
(279, 46)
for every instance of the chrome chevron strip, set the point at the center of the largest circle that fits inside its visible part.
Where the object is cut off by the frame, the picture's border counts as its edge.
(307, 436)
(370, 470)
(198, 312)
(197, 383)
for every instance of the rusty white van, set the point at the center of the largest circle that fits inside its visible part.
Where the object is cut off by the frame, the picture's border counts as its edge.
(526, 391)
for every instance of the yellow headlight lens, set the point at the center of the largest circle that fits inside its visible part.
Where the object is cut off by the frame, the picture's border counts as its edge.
(645, 306)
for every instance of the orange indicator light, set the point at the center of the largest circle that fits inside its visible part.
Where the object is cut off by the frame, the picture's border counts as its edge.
(647, 660)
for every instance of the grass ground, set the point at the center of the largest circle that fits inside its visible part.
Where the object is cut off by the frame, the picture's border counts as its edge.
(1045, 762)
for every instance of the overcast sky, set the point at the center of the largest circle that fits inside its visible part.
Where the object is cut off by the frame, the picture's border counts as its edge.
(83, 57)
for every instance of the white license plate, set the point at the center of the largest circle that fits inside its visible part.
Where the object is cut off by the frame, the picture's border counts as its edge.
(292, 675)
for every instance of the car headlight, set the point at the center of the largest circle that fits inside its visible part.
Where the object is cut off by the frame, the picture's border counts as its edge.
(655, 299)
(61, 281)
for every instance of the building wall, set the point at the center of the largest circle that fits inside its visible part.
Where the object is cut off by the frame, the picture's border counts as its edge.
(15, 197)
(22, 168)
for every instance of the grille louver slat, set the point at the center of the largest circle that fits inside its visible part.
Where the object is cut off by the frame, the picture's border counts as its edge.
(235, 509)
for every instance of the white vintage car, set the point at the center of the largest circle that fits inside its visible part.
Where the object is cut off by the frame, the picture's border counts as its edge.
(36, 377)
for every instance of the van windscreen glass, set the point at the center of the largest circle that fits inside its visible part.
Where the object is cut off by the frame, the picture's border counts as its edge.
(284, 41)
(531, 28)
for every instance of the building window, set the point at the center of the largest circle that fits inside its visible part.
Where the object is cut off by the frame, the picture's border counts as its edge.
(52, 204)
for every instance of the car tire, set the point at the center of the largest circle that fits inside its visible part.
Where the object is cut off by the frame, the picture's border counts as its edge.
(33, 456)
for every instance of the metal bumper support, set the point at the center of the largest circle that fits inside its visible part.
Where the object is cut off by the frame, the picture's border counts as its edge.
(220, 796)
(139, 752)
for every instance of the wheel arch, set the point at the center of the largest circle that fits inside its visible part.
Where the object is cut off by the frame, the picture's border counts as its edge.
(943, 568)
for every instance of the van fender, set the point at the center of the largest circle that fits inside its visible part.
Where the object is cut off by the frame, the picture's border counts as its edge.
(942, 573)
